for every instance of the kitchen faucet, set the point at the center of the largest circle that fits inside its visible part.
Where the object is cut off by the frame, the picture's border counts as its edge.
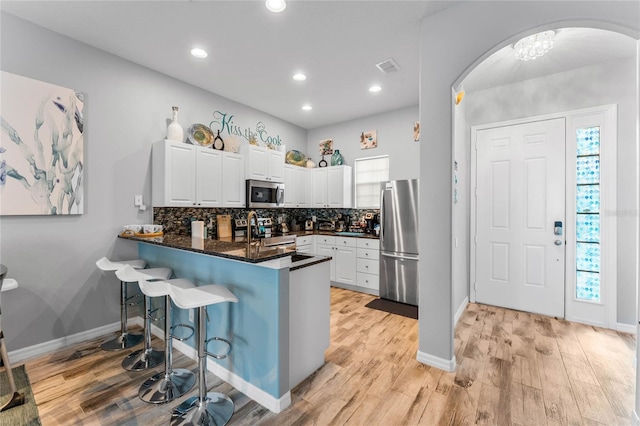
(249, 233)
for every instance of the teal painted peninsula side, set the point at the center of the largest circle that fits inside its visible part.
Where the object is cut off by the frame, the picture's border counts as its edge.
(280, 305)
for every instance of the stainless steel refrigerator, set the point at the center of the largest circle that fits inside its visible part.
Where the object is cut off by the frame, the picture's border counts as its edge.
(399, 241)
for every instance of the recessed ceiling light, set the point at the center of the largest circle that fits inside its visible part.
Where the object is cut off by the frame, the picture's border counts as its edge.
(276, 5)
(375, 89)
(198, 53)
(299, 77)
(307, 107)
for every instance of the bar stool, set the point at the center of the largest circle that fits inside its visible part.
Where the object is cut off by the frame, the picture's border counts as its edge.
(16, 398)
(172, 383)
(211, 408)
(125, 340)
(147, 357)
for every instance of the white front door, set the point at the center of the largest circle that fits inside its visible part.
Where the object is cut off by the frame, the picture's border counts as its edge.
(520, 201)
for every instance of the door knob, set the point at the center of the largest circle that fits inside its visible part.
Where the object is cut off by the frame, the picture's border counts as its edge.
(557, 242)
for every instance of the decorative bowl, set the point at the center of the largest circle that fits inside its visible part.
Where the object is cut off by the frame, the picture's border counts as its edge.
(199, 134)
(296, 158)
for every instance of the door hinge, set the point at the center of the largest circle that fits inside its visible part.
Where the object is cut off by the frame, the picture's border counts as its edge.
(476, 192)
(475, 286)
(475, 239)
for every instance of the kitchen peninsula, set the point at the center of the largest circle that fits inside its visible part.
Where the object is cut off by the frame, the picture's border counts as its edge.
(279, 329)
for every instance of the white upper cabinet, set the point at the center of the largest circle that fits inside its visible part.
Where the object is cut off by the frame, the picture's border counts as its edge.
(331, 187)
(234, 188)
(208, 179)
(290, 186)
(185, 175)
(304, 187)
(263, 163)
(297, 186)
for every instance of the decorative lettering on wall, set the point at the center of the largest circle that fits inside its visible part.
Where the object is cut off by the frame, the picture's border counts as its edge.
(223, 122)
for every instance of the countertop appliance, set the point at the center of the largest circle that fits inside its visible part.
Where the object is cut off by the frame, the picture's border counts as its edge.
(326, 225)
(265, 227)
(399, 241)
(263, 194)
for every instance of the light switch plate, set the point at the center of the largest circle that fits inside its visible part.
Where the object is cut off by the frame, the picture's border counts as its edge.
(137, 200)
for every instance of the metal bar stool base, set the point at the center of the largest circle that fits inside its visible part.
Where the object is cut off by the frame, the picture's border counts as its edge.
(216, 409)
(123, 341)
(16, 399)
(143, 360)
(163, 388)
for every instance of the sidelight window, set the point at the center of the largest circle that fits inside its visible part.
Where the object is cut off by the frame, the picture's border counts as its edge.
(588, 214)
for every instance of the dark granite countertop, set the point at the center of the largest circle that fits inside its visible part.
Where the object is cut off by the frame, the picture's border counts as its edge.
(225, 247)
(235, 248)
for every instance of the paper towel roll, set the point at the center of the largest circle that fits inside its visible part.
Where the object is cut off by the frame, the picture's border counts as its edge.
(197, 229)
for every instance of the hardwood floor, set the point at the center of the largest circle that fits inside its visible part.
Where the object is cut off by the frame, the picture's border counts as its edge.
(514, 368)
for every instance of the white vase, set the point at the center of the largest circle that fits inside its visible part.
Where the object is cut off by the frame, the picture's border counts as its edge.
(174, 129)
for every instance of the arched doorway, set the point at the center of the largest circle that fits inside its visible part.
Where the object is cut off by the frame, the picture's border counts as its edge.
(522, 93)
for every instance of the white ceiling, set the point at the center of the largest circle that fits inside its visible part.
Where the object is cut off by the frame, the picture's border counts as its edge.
(253, 53)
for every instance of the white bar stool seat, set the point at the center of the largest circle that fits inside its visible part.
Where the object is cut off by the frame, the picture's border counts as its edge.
(172, 383)
(16, 398)
(124, 340)
(211, 408)
(147, 357)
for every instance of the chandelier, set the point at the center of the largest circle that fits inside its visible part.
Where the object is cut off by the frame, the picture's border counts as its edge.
(534, 46)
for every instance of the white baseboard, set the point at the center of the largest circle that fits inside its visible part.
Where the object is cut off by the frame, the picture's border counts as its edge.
(626, 328)
(44, 348)
(434, 361)
(271, 403)
(460, 311)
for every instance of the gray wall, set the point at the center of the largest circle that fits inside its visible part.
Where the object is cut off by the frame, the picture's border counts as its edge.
(395, 138)
(452, 41)
(597, 85)
(127, 106)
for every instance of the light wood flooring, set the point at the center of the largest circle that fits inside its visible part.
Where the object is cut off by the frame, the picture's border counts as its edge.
(514, 368)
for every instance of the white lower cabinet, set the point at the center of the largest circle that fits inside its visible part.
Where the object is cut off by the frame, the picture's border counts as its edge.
(355, 261)
(304, 244)
(345, 254)
(325, 245)
(368, 265)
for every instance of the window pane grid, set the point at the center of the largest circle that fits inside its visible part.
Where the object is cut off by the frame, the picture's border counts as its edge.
(588, 255)
(369, 172)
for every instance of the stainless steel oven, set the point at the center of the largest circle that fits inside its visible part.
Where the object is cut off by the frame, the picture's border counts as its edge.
(261, 194)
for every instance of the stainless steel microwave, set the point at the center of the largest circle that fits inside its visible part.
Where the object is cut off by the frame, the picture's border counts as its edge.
(264, 194)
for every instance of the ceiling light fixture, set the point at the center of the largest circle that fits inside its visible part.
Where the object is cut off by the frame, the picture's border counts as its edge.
(307, 107)
(276, 6)
(375, 89)
(534, 46)
(199, 53)
(299, 77)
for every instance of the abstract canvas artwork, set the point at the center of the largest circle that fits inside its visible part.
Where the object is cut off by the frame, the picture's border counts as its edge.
(326, 147)
(41, 148)
(368, 140)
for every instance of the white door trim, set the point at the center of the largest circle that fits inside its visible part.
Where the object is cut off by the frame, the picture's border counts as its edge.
(609, 239)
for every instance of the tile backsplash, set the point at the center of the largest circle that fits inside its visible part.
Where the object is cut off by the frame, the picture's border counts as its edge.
(177, 220)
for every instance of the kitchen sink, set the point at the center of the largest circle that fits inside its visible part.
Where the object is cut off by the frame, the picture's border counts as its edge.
(298, 257)
(350, 234)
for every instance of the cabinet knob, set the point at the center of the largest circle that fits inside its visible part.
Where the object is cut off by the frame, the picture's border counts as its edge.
(366, 254)
(366, 266)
